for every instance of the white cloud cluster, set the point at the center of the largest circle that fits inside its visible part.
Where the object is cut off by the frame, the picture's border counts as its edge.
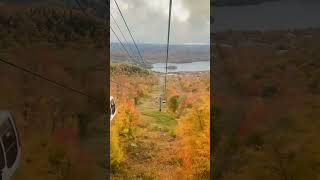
(148, 20)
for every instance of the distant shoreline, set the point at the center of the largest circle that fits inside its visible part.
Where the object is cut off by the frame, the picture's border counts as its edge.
(182, 62)
(185, 72)
(163, 61)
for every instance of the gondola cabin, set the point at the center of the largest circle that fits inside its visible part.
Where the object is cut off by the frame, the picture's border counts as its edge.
(10, 146)
(113, 108)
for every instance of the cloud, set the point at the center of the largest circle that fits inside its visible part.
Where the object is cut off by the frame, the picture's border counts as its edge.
(148, 20)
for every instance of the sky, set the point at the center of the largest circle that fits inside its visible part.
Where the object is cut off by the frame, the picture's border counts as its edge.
(148, 21)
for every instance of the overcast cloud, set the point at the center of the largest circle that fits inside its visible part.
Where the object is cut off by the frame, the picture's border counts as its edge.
(148, 20)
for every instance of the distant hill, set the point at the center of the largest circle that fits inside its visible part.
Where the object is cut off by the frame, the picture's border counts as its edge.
(127, 69)
(155, 53)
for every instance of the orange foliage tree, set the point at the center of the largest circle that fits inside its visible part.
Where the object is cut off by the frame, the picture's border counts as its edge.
(193, 133)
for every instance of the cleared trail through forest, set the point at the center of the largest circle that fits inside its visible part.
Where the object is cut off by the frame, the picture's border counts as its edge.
(152, 155)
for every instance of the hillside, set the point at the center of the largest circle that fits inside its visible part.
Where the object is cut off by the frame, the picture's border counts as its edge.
(150, 144)
(61, 132)
(268, 104)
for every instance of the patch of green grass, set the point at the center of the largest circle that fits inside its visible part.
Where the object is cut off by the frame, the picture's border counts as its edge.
(173, 133)
(162, 129)
(162, 118)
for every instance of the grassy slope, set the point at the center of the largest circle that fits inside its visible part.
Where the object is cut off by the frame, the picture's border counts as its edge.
(155, 152)
(149, 154)
(152, 153)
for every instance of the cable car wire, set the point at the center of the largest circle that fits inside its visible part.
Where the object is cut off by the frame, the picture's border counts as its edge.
(168, 41)
(117, 38)
(122, 44)
(107, 9)
(122, 34)
(130, 33)
(84, 12)
(47, 79)
(119, 84)
(113, 32)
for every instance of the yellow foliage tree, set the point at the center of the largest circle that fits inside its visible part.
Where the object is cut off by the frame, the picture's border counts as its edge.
(193, 134)
(123, 124)
(116, 153)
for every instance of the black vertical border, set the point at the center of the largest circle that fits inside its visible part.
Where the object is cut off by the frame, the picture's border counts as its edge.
(107, 90)
(212, 116)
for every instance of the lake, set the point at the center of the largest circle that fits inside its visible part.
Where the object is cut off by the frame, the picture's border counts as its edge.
(185, 67)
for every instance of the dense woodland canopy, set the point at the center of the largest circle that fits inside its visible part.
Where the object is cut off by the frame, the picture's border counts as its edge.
(61, 132)
(267, 97)
(22, 26)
